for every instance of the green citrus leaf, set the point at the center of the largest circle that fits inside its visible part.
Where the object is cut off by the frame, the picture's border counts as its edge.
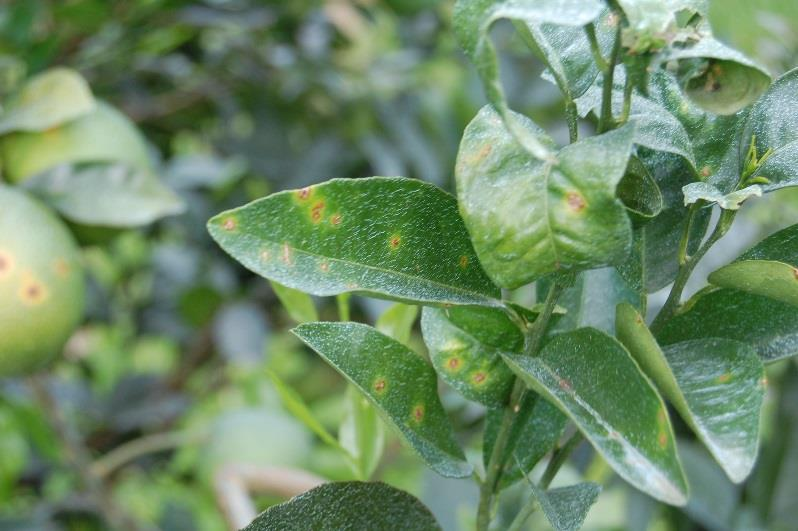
(774, 125)
(528, 218)
(566, 507)
(770, 326)
(464, 345)
(347, 505)
(716, 385)
(770, 268)
(386, 237)
(593, 379)
(655, 127)
(639, 192)
(699, 191)
(654, 23)
(46, 100)
(398, 381)
(473, 20)
(536, 430)
(397, 322)
(105, 194)
(298, 304)
(718, 78)
(361, 433)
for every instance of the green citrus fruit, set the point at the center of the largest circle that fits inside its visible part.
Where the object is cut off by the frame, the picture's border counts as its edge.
(103, 134)
(41, 284)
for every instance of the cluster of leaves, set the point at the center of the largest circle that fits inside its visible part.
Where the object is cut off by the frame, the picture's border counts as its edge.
(683, 123)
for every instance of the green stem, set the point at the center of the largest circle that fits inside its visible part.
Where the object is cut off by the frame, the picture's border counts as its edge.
(572, 118)
(685, 270)
(493, 471)
(558, 459)
(606, 121)
(627, 100)
(595, 49)
(342, 301)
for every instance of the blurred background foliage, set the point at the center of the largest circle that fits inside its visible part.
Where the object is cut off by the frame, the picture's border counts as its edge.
(239, 98)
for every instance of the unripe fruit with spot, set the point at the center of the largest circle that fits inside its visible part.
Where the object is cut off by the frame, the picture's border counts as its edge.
(102, 135)
(41, 284)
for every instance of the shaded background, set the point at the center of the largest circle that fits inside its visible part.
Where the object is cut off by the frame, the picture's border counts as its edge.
(239, 98)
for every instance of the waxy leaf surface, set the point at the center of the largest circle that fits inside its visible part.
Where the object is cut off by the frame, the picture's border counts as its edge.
(106, 194)
(770, 268)
(535, 431)
(386, 237)
(528, 218)
(593, 379)
(770, 326)
(401, 384)
(773, 122)
(716, 385)
(566, 507)
(464, 346)
(700, 191)
(47, 100)
(473, 20)
(347, 505)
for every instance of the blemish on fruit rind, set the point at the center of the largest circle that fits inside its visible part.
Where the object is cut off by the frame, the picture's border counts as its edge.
(395, 241)
(6, 264)
(418, 412)
(32, 291)
(379, 385)
(62, 268)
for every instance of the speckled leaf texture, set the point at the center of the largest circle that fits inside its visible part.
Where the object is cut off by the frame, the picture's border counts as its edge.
(770, 326)
(528, 218)
(400, 383)
(592, 378)
(566, 507)
(770, 268)
(773, 120)
(387, 237)
(347, 505)
(536, 430)
(473, 20)
(464, 346)
(717, 385)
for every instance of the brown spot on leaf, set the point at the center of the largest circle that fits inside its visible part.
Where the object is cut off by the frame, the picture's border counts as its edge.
(662, 439)
(613, 19)
(639, 319)
(453, 363)
(264, 255)
(463, 262)
(795, 272)
(565, 385)
(418, 412)
(706, 171)
(479, 377)
(303, 193)
(229, 224)
(324, 266)
(395, 241)
(723, 378)
(575, 201)
(335, 219)
(317, 211)
(379, 385)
